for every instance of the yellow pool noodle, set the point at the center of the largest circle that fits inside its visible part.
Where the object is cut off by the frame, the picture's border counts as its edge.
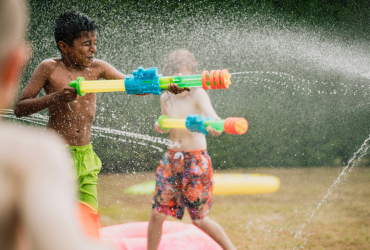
(102, 86)
(173, 123)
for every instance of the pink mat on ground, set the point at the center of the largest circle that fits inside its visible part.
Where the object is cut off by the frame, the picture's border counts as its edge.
(175, 236)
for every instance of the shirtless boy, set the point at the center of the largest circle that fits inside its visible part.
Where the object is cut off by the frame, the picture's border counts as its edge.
(37, 202)
(187, 163)
(70, 115)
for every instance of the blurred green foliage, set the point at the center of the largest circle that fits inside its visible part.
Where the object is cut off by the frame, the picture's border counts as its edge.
(288, 125)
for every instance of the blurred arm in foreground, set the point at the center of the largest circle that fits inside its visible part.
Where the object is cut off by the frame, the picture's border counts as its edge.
(37, 201)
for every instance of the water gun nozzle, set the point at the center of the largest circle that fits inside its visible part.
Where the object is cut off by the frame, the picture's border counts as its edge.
(216, 79)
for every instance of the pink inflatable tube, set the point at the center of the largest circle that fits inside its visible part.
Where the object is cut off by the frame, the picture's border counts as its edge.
(175, 236)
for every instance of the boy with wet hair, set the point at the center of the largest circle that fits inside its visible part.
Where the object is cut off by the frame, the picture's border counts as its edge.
(37, 202)
(71, 116)
(184, 175)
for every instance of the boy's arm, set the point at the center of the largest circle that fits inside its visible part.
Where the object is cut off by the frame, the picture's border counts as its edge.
(108, 72)
(28, 103)
(206, 107)
(158, 128)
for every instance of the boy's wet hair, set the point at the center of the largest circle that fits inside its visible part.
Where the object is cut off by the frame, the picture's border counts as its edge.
(178, 60)
(71, 24)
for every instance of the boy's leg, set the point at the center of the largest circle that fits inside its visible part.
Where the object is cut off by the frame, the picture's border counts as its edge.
(88, 194)
(166, 200)
(198, 195)
(89, 219)
(155, 229)
(88, 166)
(215, 231)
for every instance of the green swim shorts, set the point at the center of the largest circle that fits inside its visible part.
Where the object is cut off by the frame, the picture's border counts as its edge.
(88, 166)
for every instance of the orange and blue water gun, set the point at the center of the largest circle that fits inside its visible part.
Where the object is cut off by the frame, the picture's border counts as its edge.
(196, 123)
(148, 81)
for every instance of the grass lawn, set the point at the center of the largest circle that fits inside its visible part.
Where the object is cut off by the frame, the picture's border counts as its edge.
(268, 221)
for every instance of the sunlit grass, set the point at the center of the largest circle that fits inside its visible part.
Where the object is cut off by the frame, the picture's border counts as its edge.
(268, 221)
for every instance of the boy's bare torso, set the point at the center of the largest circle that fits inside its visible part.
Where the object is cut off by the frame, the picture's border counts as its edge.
(179, 106)
(71, 120)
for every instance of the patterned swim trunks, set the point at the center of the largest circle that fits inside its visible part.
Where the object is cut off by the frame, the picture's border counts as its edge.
(184, 179)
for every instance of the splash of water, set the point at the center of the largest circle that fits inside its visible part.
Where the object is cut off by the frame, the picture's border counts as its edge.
(300, 84)
(357, 156)
(129, 137)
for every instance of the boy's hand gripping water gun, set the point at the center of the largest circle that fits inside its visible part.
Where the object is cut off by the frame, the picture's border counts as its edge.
(148, 81)
(195, 123)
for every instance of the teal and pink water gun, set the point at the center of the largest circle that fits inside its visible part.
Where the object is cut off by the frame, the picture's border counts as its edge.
(148, 81)
(196, 123)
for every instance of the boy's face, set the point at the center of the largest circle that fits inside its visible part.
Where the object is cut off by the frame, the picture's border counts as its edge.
(83, 50)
